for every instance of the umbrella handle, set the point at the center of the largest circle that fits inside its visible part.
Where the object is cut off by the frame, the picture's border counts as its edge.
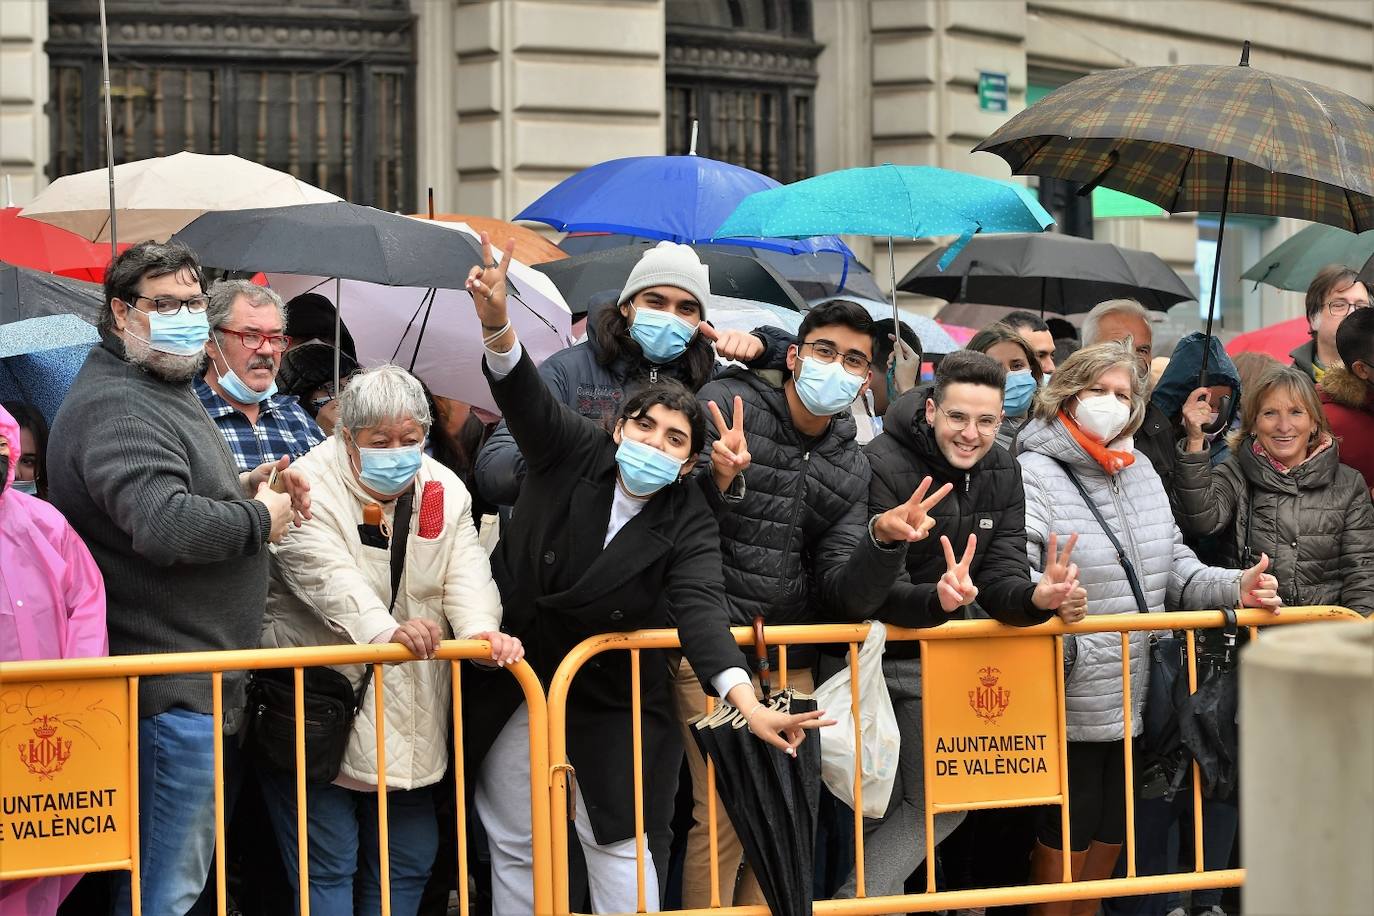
(761, 655)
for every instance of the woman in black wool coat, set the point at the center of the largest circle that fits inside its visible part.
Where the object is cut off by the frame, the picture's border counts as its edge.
(604, 537)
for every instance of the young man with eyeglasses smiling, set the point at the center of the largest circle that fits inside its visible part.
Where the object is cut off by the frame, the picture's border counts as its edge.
(947, 435)
(1334, 293)
(239, 387)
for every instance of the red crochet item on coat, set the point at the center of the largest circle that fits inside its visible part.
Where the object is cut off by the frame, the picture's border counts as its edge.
(432, 510)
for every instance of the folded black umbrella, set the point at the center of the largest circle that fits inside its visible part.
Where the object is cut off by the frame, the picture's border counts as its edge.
(26, 293)
(1047, 272)
(770, 798)
(581, 277)
(335, 240)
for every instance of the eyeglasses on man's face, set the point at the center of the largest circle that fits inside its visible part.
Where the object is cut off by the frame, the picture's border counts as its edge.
(1341, 307)
(253, 340)
(826, 352)
(170, 305)
(958, 421)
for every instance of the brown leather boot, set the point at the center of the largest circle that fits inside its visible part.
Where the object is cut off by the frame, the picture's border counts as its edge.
(1099, 864)
(1047, 867)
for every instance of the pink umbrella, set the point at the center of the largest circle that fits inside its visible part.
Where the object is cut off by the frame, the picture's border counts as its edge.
(961, 334)
(1278, 340)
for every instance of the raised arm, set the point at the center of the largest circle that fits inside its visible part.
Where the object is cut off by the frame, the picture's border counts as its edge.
(544, 430)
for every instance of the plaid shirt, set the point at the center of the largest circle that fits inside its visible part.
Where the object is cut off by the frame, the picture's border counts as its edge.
(283, 428)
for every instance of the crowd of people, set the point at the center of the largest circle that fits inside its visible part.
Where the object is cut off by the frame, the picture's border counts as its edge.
(222, 475)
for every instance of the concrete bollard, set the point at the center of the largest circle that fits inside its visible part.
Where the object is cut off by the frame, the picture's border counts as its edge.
(1307, 770)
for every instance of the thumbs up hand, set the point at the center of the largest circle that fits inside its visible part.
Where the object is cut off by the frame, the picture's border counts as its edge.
(1258, 588)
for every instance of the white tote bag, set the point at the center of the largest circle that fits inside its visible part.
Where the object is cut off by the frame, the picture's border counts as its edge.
(881, 740)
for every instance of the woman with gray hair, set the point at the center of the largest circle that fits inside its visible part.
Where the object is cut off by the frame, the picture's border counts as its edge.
(1082, 475)
(332, 582)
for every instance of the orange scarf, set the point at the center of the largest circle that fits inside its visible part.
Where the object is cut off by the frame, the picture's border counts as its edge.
(1110, 459)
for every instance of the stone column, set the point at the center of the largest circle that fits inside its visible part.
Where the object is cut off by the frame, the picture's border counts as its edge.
(23, 95)
(1307, 770)
(548, 88)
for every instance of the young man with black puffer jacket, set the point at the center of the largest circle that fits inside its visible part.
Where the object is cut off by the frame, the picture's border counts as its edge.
(948, 435)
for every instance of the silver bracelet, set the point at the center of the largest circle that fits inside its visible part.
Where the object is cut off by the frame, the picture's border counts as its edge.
(491, 339)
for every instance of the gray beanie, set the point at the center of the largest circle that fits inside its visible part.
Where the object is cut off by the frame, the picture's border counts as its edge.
(670, 264)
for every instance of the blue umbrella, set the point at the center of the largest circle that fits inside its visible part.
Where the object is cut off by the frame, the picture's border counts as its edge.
(678, 198)
(40, 357)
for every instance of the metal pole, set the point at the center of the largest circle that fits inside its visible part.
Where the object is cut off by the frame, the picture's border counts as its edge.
(338, 334)
(109, 127)
(1216, 273)
(692, 148)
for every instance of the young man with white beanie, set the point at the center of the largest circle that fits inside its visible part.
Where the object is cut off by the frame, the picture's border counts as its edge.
(656, 325)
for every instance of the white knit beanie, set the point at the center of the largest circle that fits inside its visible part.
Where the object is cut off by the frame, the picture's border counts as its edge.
(670, 264)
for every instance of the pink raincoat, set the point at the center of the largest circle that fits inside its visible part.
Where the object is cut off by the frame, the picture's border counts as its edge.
(52, 605)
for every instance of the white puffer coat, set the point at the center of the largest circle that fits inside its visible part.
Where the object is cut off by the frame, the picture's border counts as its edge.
(1134, 504)
(327, 589)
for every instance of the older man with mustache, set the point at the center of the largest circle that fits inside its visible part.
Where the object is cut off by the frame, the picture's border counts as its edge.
(180, 536)
(239, 387)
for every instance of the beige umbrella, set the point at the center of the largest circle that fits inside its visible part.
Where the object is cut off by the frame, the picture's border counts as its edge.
(158, 197)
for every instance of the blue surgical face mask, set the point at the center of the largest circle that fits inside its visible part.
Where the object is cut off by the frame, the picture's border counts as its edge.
(181, 334)
(661, 335)
(389, 470)
(644, 470)
(26, 486)
(1019, 390)
(237, 389)
(826, 389)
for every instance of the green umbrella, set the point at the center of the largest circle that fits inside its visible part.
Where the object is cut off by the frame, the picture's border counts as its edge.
(897, 201)
(1293, 264)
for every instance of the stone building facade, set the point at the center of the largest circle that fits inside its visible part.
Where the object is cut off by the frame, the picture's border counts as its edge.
(491, 102)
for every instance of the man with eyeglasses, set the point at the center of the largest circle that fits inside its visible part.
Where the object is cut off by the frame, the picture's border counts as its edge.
(180, 536)
(1334, 293)
(947, 435)
(239, 387)
(1119, 319)
(790, 489)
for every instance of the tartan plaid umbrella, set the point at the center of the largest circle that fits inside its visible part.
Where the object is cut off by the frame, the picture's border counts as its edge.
(1204, 138)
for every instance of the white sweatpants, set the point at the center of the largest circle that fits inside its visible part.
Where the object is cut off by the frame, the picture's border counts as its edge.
(503, 804)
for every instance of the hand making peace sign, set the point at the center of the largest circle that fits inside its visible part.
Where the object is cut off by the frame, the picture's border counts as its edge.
(910, 521)
(487, 286)
(956, 588)
(1058, 588)
(730, 452)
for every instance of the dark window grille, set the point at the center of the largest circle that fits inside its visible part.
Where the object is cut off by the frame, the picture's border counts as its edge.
(744, 71)
(347, 126)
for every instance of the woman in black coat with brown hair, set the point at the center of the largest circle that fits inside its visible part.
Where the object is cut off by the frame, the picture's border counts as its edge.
(604, 537)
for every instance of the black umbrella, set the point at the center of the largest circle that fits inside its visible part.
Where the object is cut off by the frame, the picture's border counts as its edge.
(339, 240)
(771, 799)
(740, 276)
(814, 275)
(1047, 272)
(28, 293)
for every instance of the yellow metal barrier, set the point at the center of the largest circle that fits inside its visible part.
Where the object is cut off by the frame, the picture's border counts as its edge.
(982, 633)
(99, 678)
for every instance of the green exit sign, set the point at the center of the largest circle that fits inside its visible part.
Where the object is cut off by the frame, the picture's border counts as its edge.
(992, 92)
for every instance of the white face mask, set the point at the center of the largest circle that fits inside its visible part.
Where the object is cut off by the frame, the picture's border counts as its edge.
(1103, 417)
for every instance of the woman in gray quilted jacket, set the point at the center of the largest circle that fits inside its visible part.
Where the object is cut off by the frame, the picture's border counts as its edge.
(1081, 431)
(1284, 492)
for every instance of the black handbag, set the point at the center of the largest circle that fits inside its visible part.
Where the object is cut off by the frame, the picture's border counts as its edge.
(330, 701)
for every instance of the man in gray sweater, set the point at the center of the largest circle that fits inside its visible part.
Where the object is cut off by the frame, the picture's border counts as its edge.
(145, 478)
